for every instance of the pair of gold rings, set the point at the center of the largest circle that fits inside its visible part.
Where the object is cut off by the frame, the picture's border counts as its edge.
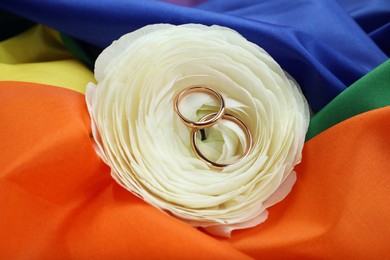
(208, 121)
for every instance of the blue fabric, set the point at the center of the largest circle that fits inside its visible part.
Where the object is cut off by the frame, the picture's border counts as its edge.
(316, 41)
(374, 18)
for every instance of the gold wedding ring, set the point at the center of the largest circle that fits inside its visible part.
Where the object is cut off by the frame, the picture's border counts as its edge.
(209, 121)
(232, 119)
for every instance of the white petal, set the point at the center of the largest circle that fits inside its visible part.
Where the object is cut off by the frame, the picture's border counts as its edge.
(139, 135)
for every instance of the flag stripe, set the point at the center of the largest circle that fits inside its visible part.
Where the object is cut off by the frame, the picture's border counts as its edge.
(47, 62)
(368, 93)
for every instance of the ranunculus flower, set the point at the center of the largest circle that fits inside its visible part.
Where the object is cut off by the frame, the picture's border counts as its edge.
(139, 135)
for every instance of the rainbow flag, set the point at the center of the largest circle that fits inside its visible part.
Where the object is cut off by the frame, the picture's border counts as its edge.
(57, 199)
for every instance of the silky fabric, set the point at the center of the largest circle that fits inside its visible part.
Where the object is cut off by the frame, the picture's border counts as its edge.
(57, 199)
(373, 17)
(49, 62)
(323, 59)
(370, 92)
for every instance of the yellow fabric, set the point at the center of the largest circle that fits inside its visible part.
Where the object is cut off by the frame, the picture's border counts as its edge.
(43, 59)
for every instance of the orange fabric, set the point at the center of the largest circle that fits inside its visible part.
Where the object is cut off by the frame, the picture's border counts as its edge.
(340, 204)
(58, 200)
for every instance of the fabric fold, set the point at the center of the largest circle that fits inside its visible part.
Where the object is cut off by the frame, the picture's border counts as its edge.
(370, 92)
(58, 200)
(339, 205)
(311, 53)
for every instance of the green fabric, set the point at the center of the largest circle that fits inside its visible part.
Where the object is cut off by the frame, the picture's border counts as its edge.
(370, 92)
(77, 50)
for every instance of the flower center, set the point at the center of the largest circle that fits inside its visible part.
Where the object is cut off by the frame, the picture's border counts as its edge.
(229, 138)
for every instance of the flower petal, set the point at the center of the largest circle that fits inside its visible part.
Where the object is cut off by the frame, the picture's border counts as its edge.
(140, 136)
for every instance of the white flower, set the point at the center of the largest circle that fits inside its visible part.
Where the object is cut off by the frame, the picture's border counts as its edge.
(139, 135)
